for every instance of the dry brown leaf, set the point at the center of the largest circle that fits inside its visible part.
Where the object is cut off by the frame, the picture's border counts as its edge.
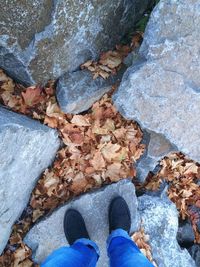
(110, 151)
(37, 214)
(111, 59)
(87, 64)
(51, 122)
(191, 168)
(53, 110)
(80, 183)
(20, 255)
(141, 239)
(7, 83)
(98, 161)
(113, 172)
(50, 182)
(80, 120)
(32, 96)
(26, 263)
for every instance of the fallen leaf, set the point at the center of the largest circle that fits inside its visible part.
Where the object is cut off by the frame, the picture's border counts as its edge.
(32, 96)
(98, 161)
(113, 172)
(51, 122)
(79, 183)
(80, 120)
(20, 255)
(110, 151)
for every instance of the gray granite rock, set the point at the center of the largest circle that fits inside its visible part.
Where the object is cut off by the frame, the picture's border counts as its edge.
(163, 93)
(43, 39)
(160, 221)
(27, 148)
(77, 91)
(157, 146)
(48, 234)
(159, 218)
(195, 253)
(185, 235)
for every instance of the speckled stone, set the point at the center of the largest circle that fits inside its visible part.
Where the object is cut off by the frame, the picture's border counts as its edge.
(27, 148)
(157, 146)
(157, 215)
(48, 234)
(77, 91)
(43, 39)
(160, 221)
(163, 93)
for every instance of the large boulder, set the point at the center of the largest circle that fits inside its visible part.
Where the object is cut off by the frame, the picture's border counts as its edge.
(48, 235)
(27, 148)
(42, 39)
(159, 218)
(163, 92)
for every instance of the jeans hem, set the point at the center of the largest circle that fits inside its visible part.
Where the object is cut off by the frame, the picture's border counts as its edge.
(88, 242)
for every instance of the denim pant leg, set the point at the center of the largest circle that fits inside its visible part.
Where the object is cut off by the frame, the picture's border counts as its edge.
(83, 253)
(123, 252)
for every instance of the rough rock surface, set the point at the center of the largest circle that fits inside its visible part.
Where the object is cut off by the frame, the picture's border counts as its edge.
(48, 234)
(77, 91)
(185, 235)
(27, 148)
(163, 93)
(157, 147)
(42, 39)
(160, 221)
(195, 253)
(159, 216)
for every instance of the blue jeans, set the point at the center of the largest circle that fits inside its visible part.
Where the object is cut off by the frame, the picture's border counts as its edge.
(122, 251)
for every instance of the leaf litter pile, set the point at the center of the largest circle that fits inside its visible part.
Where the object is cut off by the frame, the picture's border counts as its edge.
(97, 148)
(142, 240)
(183, 178)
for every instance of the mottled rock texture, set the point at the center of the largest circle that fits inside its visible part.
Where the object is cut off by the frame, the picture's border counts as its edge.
(157, 146)
(185, 235)
(27, 148)
(195, 253)
(43, 39)
(163, 93)
(160, 221)
(49, 235)
(77, 91)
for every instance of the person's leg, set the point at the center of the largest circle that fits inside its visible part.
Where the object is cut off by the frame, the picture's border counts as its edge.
(122, 251)
(82, 251)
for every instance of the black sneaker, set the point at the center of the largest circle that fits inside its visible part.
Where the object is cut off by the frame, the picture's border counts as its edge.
(119, 215)
(74, 226)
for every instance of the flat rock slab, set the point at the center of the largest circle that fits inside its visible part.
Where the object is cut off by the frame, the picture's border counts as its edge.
(163, 93)
(26, 148)
(48, 234)
(158, 216)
